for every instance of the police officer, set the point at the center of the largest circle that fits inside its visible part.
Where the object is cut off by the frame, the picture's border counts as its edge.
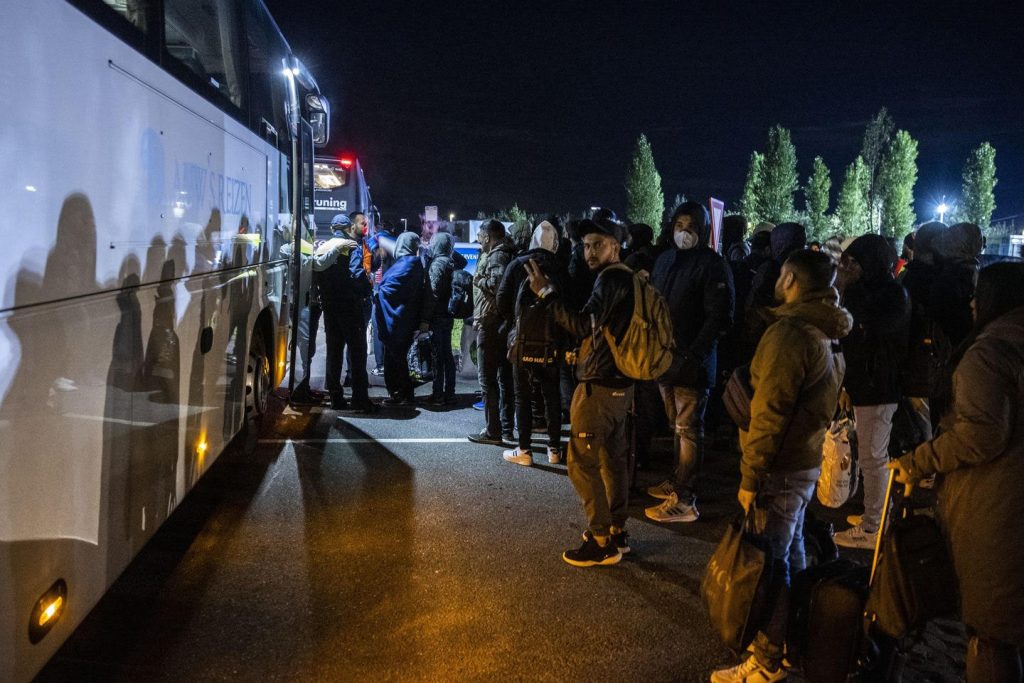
(344, 285)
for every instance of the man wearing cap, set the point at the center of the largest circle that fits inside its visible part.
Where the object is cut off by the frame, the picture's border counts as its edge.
(344, 287)
(598, 450)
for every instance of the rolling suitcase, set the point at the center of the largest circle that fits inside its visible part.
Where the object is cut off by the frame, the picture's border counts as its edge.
(829, 636)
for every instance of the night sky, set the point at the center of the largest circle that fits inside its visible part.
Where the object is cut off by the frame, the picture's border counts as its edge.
(481, 105)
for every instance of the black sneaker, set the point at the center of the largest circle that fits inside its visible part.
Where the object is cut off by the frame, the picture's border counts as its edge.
(399, 401)
(621, 540)
(366, 407)
(484, 437)
(509, 439)
(339, 403)
(591, 554)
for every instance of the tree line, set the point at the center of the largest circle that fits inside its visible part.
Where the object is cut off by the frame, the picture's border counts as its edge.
(876, 195)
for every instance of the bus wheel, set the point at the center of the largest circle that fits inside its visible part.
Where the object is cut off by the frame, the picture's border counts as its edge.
(258, 385)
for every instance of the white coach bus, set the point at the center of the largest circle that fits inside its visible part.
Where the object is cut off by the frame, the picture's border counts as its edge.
(153, 157)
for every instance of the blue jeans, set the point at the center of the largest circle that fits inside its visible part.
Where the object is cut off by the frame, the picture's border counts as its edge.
(444, 360)
(784, 497)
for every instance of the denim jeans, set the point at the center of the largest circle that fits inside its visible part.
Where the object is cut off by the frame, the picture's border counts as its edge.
(874, 425)
(685, 411)
(495, 374)
(444, 359)
(378, 345)
(784, 497)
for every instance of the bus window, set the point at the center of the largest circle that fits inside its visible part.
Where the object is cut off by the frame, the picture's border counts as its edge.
(135, 11)
(204, 36)
(328, 177)
(268, 54)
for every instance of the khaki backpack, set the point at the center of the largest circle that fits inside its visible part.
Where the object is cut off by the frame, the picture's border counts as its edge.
(647, 347)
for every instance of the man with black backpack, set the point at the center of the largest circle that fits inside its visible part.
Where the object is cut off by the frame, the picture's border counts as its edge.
(795, 376)
(536, 343)
(598, 458)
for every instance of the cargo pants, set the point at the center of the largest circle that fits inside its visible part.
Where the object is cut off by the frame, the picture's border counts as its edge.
(598, 458)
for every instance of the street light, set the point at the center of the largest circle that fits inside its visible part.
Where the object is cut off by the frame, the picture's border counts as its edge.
(451, 218)
(942, 208)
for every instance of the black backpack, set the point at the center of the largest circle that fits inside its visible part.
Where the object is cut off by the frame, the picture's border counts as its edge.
(534, 339)
(460, 304)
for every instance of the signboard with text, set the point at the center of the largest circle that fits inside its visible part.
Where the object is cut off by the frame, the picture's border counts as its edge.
(716, 207)
(429, 213)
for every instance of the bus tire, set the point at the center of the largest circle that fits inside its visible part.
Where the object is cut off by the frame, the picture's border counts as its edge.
(258, 386)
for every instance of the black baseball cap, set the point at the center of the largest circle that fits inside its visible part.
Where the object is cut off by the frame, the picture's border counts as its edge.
(602, 226)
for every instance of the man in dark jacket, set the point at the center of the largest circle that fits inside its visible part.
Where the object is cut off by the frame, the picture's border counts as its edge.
(697, 285)
(538, 345)
(495, 372)
(928, 348)
(344, 287)
(598, 451)
(875, 354)
(444, 262)
(796, 376)
(399, 302)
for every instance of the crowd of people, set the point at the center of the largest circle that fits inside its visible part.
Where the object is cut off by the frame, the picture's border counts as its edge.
(857, 326)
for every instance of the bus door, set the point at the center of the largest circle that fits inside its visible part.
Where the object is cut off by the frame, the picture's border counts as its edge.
(302, 219)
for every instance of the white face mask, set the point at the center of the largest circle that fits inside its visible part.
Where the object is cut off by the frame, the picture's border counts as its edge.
(685, 239)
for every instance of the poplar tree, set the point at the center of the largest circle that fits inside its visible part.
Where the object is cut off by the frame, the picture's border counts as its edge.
(816, 197)
(852, 204)
(645, 202)
(753, 189)
(877, 136)
(898, 175)
(780, 179)
(977, 197)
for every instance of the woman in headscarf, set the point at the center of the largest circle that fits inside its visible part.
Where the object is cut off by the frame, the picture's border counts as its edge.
(979, 455)
(399, 301)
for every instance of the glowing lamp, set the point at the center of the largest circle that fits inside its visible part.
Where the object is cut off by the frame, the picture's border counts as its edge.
(47, 611)
(346, 162)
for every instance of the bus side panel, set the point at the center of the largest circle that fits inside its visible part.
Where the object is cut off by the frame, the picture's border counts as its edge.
(133, 214)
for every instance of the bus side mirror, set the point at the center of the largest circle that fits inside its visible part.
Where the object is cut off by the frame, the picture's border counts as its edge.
(318, 122)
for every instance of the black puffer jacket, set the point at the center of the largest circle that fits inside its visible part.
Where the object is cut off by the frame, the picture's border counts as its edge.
(698, 288)
(611, 304)
(876, 349)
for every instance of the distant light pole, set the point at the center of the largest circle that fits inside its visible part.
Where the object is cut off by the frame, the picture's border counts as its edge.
(942, 208)
(451, 218)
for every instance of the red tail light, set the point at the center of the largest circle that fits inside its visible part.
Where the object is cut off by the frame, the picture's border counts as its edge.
(346, 162)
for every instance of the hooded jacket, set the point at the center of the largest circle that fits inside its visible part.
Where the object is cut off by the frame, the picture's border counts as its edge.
(515, 275)
(785, 239)
(401, 291)
(876, 348)
(956, 255)
(698, 288)
(489, 271)
(980, 455)
(796, 377)
(444, 261)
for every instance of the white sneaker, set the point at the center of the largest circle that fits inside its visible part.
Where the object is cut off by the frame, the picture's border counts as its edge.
(749, 671)
(671, 510)
(856, 537)
(855, 520)
(664, 490)
(518, 457)
(553, 456)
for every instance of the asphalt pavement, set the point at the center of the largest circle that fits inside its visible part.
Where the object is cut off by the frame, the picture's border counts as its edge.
(389, 548)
